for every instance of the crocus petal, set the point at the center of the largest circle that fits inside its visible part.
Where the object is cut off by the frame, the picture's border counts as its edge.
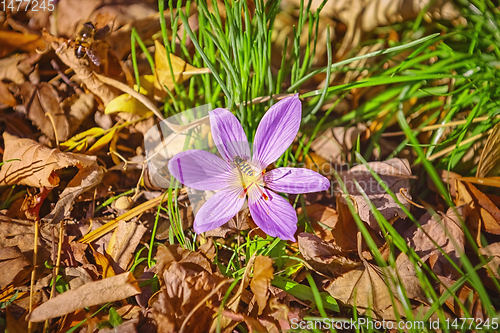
(276, 131)
(295, 180)
(219, 209)
(228, 135)
(275, 216)
(201, 170)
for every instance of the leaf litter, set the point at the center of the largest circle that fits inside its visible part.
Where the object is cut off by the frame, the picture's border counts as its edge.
(85, 222)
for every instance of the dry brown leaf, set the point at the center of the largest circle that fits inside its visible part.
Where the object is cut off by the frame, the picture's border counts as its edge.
(396, 174)
(323, 256)
(84, 180)
(404, 276)
(94, 293)
(365, 15)
(186, 278)
(467, 297)
(263, 273)
(12, 41)
(14, 266)
(124, 242)
(79, 109)
(335, 143)
(492, 251)
(6, 97)
(485, 214)
(70, 13)
(9, 68)
(253, 324)
(37, 164)
(446, 232)
(42, 105)
(365, 288)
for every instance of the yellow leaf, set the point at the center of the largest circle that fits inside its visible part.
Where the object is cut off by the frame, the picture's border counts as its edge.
(103, 261)
(181, 69)
(104, 140)
(127, 103)
(94, 131)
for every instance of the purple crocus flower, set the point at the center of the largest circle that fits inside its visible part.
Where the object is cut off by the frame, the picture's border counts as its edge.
(238, 174)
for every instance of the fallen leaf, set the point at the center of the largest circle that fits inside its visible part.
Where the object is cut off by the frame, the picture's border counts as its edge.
(14, 266)
(6, 97)
(396, 174)
(9, 68)
(486, 215)
(441, 229)
(79, 109)
(94, 293)
(404, 277)
(37, 164)
(42, 104)
(325, 257)
(127, 103)
(335, 143)
(186, 278)
(366, 289)
(180, 69)
(263, 273)
(492, 251)
(124, 241)
(468, 298)
(84, 180)
(12, 41)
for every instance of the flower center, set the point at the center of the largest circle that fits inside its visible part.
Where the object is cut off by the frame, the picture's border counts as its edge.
(249, 177)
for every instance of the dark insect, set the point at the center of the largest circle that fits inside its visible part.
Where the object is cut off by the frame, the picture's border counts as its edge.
(243, 165)
(84, 43)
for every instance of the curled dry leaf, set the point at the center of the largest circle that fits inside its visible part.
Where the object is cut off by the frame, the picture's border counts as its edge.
(365, 15)
(263, 273)
(395, 173)
(35, 164)
(94, 293)
(325, 257)
(443, 230)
